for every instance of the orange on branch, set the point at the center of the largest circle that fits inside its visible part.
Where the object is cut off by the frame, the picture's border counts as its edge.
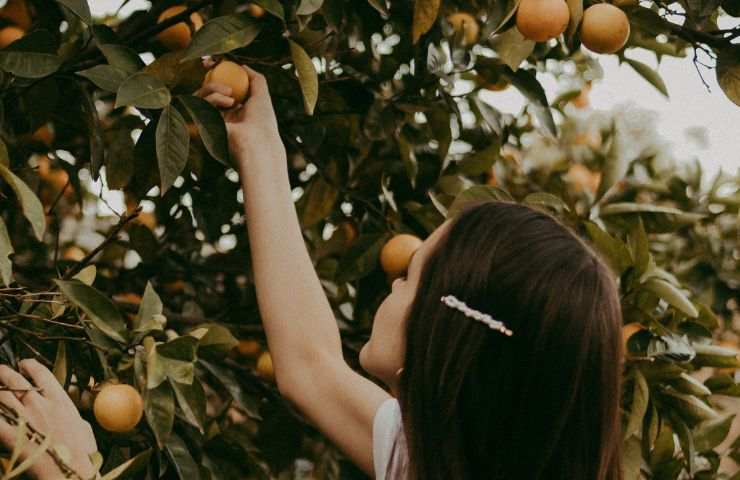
(16, 11)
(232, 75)
(628, 330)
(178, 36)
(248, 348)
(264, 367)
(498, 86)
(10, 34)
(582, 178)
(541, 20)
(255, 10)
(73, 254)
(396, 254)
(118, 408)
(44, 135)
(605, 28)
(466, 25)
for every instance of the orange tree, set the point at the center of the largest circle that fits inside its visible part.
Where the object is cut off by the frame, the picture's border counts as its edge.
(389, 127)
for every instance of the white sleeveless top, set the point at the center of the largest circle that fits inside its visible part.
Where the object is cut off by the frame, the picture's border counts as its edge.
(386, 425)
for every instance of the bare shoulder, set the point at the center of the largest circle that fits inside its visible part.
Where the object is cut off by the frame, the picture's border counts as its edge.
(342, 404)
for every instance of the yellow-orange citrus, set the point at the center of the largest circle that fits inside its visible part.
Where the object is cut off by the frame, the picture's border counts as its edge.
(396, 254)
(628, 330)
(499, 85)
(466, 25)
(44, 135)
(541, 20)
(582, 178)
(174, 287)
(193, 131)
(118, 408)
(178, 36)
(128, 297)
(73, 253)
(148, 219)
(582, 100)
(10, 34)
(248, 348)
(16, 11)
(264, 367)
(232, 75)
(605, 28)
(255, 10)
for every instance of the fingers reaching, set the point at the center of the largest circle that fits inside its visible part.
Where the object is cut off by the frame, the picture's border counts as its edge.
(19, 387)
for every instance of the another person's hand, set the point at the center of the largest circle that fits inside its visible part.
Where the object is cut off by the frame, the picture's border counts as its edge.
(37, 396)
(252, 127)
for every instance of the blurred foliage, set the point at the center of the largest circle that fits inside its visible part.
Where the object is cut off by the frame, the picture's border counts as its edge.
(389, 120)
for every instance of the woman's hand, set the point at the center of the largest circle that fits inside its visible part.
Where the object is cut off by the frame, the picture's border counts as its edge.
(252, 127)
(37, 396)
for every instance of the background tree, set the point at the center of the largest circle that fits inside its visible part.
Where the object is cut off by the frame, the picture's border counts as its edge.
(381, 112)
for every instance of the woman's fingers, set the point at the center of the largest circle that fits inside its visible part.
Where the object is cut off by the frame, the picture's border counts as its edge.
(44, 379)
(212, 87)
(219, 100)
(257, 83)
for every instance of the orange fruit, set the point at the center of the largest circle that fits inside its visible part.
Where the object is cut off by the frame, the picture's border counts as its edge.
(10, 34)
(178, 36)
(118, 407)
(582, 178)
(44, 135)
(264, 367)
(348, 231)
(16, 11)
(500, 85)
(232, 75)
(148, 219)
(248, 348)
(193, 131)
(605, 28)
(396, 254)
(628, 330)
(541, 20)
(465, 24)
(174, 287)
(255, 10)
(73, 253)
(128, 297)
(582, 100)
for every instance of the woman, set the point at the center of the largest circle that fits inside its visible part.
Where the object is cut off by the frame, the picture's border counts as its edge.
(501, 347)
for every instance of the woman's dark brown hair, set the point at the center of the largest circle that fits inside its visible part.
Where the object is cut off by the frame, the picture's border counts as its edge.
(542, 404)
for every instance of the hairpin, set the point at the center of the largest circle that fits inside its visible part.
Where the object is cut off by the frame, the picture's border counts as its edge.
(452, 302)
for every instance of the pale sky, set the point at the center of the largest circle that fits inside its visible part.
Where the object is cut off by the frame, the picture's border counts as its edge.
(690, 104)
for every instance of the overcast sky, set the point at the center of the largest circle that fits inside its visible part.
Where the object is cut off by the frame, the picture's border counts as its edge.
(690, 104)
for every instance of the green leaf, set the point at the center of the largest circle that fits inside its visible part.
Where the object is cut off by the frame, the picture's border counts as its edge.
(107, 77)
(6, 250)
(632, 458)
(640, 399)
(616, 165)
(439, 123)
(690, 406)
(546, 200)
(408, 157)
(192, 401)
(307, 76)
(362, 257)
(728, 74)
(309, 7)
(649, 74)
(185, 76)
(150, 307)
(144, 91)
(709, 434)
(425, 16)
(480, 162)
(672, 295)
(477, 193)
(222, 35)
(614, 251)
(317, 202)
(159, 408)
(217, 341)
(87, 275)
(526, 82)
(122, 57)
(723, 384)
(181, 458)
(716, 356)
(4, 157)
(272, 6)
(129, 468)
(640, 248)
(99, 309)
(228, 379)
(79, 8)
(32, 56)
(210, 126)
(31, 206)
(512, 47)
(60, 363)
(656, 218)
(173, 144)
(688, 384)
(499, 14)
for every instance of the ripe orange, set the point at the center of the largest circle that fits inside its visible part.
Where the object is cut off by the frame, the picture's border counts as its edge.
(128, 297)
(10, 34)
(232, 75)
(264, 367)
(582, 101)
(174, 287)
(582, 178)
(500, 85)
(255, 10)
(605, 28)
(148, 219)
(16, 11)
(628, 330)
(73, 253)
(396, 254)
(248, 348)
(348, 231)
(541, 20)
(465, 24)
(178, 36)
(118, 408)
(44, 135)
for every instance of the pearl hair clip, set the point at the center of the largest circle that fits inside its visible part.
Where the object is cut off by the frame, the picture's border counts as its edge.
(452, 302)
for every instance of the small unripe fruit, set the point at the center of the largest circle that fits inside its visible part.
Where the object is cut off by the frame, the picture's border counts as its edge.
(541, 20)
(465, 24)
(605, 28)
(255, 10)
(232, 75)
(178, 36)
(118, 408)
(396, 254)
(264, 367)
(10, 34)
